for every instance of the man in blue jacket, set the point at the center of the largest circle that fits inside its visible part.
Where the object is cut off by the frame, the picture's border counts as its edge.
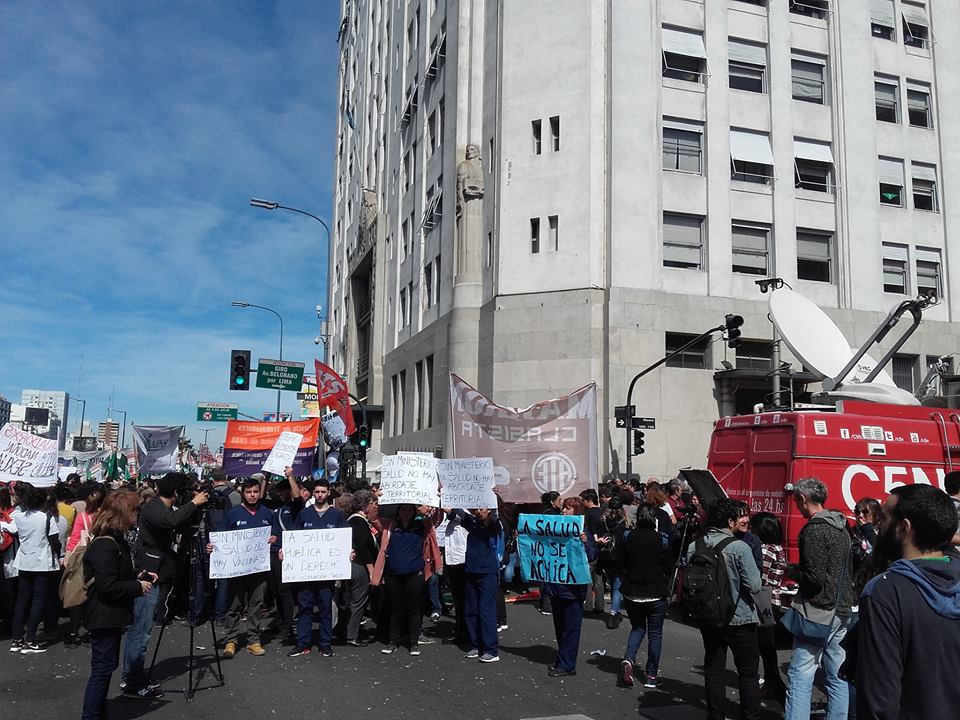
(319, 516)
(907, 642)
(482, 569)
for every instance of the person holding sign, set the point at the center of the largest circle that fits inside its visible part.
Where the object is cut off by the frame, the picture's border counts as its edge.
(409, 555)
(319, 516)
(246, 591)
(482, 577)
(356, 590)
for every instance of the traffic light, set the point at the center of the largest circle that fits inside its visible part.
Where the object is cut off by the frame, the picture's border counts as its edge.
(638, 442)
(239, 369)
(733, 323)
(363, 438)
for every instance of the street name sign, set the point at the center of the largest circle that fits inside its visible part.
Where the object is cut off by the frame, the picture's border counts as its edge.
(279, 374)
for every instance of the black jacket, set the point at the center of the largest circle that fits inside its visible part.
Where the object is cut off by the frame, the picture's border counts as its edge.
(107, 561)
(158, 524)
(645, 564)
(824, 547)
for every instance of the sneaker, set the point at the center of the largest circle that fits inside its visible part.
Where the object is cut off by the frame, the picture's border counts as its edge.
(651, 681)
(256, 649)
(424, 640)
(435, 616)
(326, 651)
(72, 641)
(147, 693)
(16, 646)
(472, 654)
(298, 651)
(613, 621)
(489, 658)
(357, 643)
(32, 648)
(389, 649)
(626, 673)
(229, 650)
(415, 651)
(501, 628)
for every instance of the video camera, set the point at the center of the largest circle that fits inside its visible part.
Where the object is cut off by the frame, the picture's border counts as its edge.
(215, 501)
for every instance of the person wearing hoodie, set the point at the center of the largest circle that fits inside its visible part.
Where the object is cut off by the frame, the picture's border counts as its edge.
(906, 647)
(826, 596)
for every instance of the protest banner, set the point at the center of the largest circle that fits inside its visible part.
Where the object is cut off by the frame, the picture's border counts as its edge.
(248, 444)
(284, 452)
(239, 552)
(316, 555)
(551, 549)
(157, 447)
(409, 478)
(548, 446)
(27, 458)
(466, 483)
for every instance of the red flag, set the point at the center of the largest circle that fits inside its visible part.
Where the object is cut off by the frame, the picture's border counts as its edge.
(332, 391)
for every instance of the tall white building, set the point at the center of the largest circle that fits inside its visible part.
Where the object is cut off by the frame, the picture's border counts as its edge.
(58, 403)
(108, 434)
(641, 165)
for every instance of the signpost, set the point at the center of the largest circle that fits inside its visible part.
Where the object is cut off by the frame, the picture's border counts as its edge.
(279, 374)
(216, 412)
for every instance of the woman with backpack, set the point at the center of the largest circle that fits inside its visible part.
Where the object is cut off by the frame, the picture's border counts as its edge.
(80, 536)
(644, 565)
(613, 526)
(38, 527)
(108, 567)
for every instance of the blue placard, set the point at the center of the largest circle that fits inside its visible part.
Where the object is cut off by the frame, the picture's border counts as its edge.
(551, 550)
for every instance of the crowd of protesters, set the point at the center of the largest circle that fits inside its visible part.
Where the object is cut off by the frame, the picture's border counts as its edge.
(873, 600)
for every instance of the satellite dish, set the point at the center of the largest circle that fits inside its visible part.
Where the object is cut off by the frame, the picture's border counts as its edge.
(872, 392)
(863, 369)
(812, 336)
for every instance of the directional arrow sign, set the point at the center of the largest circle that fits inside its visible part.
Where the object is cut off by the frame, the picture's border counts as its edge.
(621, 422)
(279, 374)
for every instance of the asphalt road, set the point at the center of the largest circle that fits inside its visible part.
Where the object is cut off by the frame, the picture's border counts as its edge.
(356, 682)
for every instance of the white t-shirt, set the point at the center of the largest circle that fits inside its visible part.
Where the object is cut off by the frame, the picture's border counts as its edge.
(455, 543)
(35, 553)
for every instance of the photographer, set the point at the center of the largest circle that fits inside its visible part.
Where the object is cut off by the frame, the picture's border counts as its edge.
(158, 524)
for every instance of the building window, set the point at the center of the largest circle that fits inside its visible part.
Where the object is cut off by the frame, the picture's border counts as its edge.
(682, 146)
(537, 141)
(813, 165)
(924, 187)
(436, 280)
(488, 250)
(682, 241)
(928, 272)
(891, 182)
(555, 133)
(554, 238)
(751, 158)
(887, 100)
(693, 358)
(895, 269)
(397, 382)
(403, 308)
(425, 393)
(754, 355)
(413, 30)
(807, 74)
(747, 64)
(684, 55)
(881, 19)
(428, 284)
(751, 249)
(918, 104)
(916, 26)
(814, 256)
(937, 360)
(817, 9)
(534, 235)
(905, 372)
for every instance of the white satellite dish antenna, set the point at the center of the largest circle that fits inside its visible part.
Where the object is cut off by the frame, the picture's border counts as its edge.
(873, 392)
(863, 368)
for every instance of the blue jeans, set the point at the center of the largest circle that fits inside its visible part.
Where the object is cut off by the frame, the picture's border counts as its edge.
(104, 658)
(510, 568)
(646, 618)
(616, 597)
(138, 639)
(803, 667)
(433, 594)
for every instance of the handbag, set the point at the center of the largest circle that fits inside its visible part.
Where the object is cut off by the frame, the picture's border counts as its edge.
(807, 630)
(73, 590)
(763, 601)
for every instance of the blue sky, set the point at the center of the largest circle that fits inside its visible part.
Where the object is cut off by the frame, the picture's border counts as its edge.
(132, 137)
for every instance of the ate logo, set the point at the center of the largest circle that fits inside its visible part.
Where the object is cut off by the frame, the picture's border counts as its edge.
(331, 385)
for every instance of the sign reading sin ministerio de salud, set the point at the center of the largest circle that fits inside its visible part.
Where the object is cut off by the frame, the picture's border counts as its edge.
(279, 374)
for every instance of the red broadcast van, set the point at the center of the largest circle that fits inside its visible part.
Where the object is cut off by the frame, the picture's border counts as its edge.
(861, 450)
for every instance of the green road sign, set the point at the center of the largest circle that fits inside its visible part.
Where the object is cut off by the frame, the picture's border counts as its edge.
(216, 412)
(279, 374)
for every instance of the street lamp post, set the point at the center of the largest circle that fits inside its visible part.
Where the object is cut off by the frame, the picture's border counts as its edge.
(239, 304)
(123, 431)
(270, 205)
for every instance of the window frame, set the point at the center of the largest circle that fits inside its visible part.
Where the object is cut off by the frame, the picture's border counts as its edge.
(693, 358)
(677, 151)
(815, 236)
(888, 82)
(893, 263)
(700, 246)
(819, 63)
(766, 253)
(762, 70)
(924, 90)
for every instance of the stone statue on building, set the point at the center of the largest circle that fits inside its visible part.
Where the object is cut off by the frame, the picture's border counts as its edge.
(470, 188)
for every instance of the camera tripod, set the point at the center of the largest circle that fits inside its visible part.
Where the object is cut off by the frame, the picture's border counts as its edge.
(197, 570)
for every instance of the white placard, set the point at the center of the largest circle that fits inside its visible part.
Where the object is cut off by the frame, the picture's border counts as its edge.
(27, 458)
(317, 555)
(284, 452)
(467, 483)
(239, 552)
(409, 478)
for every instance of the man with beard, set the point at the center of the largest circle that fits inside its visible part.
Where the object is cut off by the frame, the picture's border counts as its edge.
(907, 643)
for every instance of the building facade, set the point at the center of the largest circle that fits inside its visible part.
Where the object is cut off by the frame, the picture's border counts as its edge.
(108, 434)
(4, 411)
(536, 195)
(58, 403)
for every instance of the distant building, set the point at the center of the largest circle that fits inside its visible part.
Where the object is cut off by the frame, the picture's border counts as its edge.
(108, 434)
(4, 411)
(58, 403)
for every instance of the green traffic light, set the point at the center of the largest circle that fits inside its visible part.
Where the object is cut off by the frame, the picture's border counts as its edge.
(238, 381)
(363, 443)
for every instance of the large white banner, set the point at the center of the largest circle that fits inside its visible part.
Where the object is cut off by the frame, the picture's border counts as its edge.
(239, 552)
(27, 458)
(409, 478)
(284, 452)
(317, 555)
(466, 483)
(157, 447)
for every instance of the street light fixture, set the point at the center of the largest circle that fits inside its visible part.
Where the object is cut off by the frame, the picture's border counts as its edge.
(239, 304)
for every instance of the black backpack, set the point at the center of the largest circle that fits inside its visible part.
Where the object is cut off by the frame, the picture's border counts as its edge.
(706, 588)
